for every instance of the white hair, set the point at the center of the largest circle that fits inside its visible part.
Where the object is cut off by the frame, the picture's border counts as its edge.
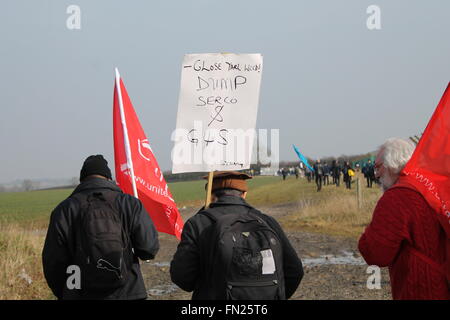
(395, 153)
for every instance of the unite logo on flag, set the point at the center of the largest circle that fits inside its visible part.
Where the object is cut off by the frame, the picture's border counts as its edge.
(142, 145)
(137, 171)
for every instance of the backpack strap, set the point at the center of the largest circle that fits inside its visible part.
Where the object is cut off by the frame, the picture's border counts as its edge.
(80, 198)
(213, 216)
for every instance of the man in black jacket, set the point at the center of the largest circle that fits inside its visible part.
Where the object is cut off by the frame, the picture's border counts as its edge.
(336, 172)
(318, 171)
(347, 176)
(188, 269)
(369, 173)
(61, 243)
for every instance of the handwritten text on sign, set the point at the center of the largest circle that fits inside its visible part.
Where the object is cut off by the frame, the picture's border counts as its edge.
(217, 111)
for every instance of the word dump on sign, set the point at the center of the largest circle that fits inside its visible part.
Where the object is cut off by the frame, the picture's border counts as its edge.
(217, 111)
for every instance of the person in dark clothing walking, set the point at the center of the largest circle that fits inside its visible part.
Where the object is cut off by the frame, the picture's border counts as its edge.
(326, 174)
(364, 171)
(284, 172)
(192, 268)
(308, 174)
(68, 238)
(370, 174)
(336, 172)
(347, 175)
(318, 172)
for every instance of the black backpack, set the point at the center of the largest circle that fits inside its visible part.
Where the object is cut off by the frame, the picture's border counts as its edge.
(103, 249)
(243, 257)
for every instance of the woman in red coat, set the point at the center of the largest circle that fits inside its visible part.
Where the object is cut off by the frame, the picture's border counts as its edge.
(405, 234)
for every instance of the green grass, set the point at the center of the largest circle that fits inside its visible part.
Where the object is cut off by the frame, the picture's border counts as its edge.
(32, 209)
(187, 193)
(329, 207)
(192, 193)
(334, 210)
(263, 190)
(279, 191)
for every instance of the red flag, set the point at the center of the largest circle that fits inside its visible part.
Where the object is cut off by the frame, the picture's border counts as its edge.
(428, 170)
(134, 158)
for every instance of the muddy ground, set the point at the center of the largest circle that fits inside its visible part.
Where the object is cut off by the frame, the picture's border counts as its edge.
(333, 267)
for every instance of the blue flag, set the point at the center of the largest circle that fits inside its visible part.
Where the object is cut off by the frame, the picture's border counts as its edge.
(302, 158)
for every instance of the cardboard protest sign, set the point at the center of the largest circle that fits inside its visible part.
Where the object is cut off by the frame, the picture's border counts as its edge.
(217, 111)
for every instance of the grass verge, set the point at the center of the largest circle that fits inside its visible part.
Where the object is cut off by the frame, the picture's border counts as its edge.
(334, 211)
(20, 261)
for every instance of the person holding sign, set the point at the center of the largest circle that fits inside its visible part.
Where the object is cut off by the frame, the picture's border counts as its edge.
(348, 174)
(233, 251)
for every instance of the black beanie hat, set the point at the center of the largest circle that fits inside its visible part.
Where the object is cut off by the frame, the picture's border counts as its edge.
(95, 165)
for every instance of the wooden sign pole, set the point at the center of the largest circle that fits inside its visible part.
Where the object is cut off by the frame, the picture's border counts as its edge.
(210, 177)
(209, 189)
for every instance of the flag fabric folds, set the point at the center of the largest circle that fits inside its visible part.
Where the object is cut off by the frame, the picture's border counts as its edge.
(428, 170)
(302, 158)
(137, 171)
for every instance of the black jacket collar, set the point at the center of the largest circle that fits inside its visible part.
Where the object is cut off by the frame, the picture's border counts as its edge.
(96, 183)
(229, 200)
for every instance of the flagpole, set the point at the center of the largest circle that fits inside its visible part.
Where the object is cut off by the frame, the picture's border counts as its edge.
(125, 134)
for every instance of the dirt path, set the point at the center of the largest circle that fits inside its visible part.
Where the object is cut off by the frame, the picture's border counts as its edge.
(333, 266)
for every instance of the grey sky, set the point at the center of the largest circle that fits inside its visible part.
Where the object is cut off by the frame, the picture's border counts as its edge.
(329, 84)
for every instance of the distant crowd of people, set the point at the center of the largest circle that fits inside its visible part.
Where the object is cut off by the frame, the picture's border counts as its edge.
(322, 172)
